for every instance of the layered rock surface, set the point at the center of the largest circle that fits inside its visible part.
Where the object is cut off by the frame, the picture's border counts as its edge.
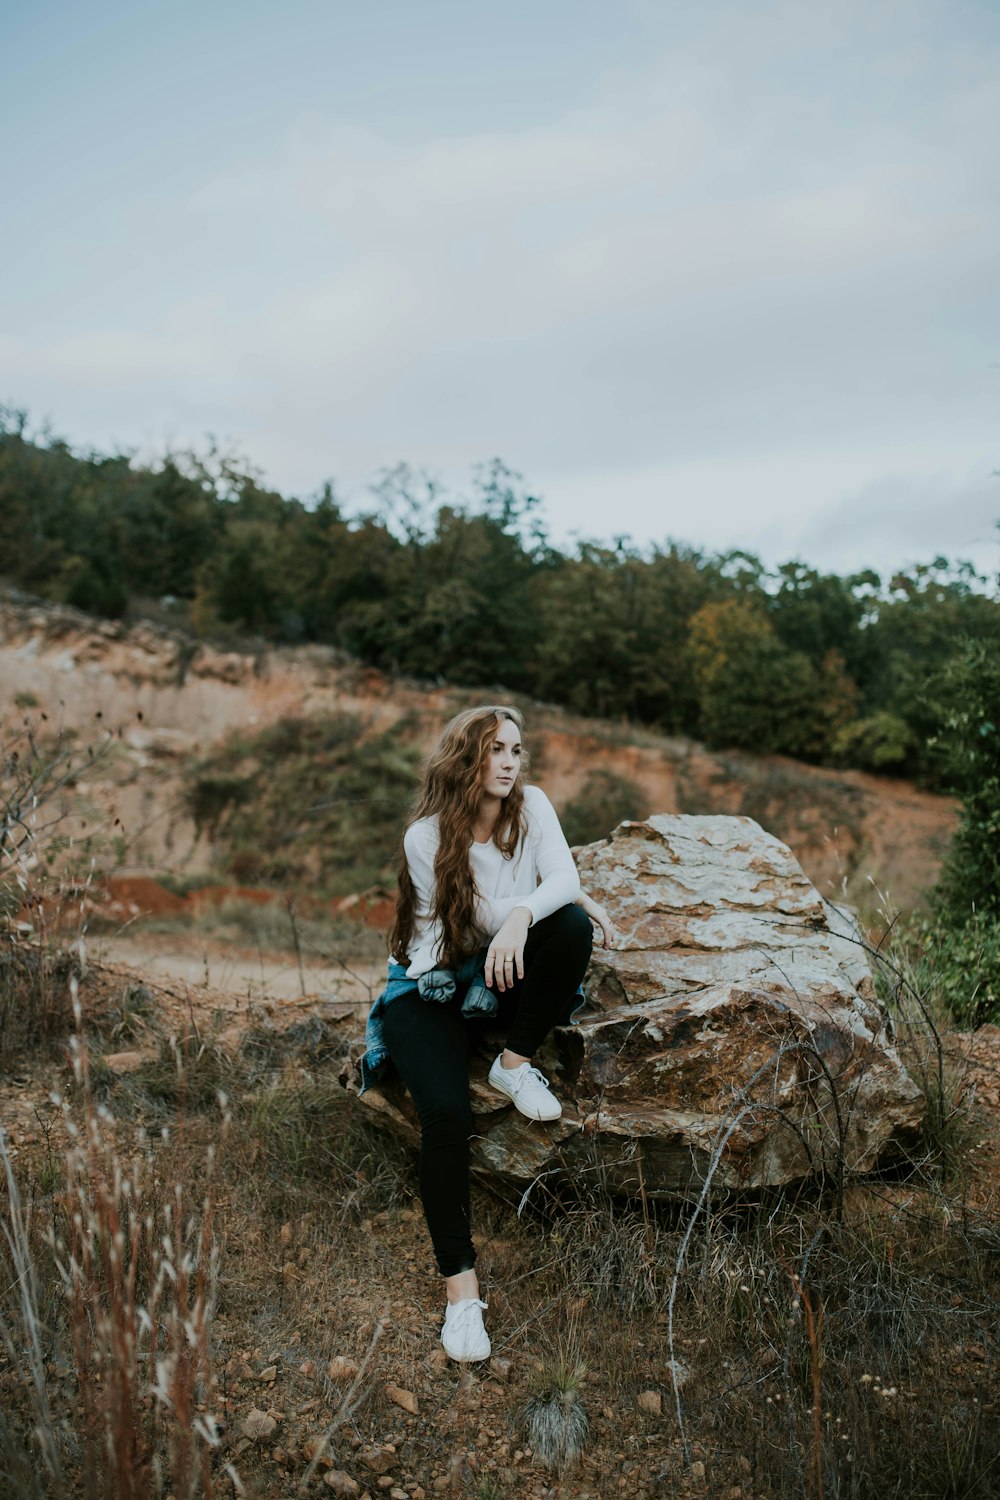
(732, 1028)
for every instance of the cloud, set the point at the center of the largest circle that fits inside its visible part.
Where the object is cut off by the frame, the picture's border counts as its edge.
(912, 515)
(762, 247)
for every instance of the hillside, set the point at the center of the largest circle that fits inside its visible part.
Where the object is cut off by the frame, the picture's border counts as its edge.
(216, 1045)
(178, 710)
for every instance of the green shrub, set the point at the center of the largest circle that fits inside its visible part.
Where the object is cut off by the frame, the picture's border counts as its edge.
(966, 700)
(35, 1002)
(188, 1074)
(959, 967)
(315, 801)
(877, 743)
(211, 798)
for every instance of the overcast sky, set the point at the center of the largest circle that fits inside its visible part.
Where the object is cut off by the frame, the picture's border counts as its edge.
(726, 273)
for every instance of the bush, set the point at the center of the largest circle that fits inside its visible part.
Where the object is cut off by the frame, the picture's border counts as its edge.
(36, 959)
(874, 744)
(958, 967)
(34, 998)
(118, 1292)
(966, 697)
(313, 801)
(307, 1141)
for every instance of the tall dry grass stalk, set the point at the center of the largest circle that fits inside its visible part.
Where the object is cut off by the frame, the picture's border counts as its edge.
(47, 868)
(132, 1253)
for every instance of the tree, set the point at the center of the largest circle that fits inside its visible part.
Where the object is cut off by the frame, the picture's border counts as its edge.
(614, 631)
(756, 694)
(911, 637)
(965, 697)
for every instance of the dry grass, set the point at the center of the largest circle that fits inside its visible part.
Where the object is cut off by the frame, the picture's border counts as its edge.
(35, 1012)
(841, 1346)
(275, 927)
(109, 1291)
(810, 1354)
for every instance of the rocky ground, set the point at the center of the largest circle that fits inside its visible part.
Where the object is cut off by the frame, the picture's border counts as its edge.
(325, 1341)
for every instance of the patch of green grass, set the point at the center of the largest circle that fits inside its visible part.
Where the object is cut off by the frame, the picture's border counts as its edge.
(555, 1417)
(309, 801)
(35, 1000)
(187, 1076)
(308, 1139)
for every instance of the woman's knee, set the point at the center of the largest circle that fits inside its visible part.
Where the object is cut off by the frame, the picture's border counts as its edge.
(446, 1122)
(571, 926)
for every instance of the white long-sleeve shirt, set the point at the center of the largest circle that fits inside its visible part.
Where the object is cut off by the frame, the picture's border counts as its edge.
(541, 876)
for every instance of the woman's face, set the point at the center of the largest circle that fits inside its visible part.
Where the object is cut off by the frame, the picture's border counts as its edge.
(503, 760)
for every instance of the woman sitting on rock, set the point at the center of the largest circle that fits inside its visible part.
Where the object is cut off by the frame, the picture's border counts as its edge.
(490, 920)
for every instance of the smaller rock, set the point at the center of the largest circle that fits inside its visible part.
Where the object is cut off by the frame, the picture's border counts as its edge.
(341, 1483)
(307, 1367)
(437, 1360)
(259, 1425)
(386, 1482)
(267, 1377)
(380, 1461)
(698, 1470)
(650, 1402)
(499, 1367)
(405, 1399)
(341, 1368)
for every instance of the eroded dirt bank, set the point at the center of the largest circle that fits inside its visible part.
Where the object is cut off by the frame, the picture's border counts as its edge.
(173, 699)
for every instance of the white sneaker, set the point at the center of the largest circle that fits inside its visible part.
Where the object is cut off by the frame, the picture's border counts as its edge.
(528, 1090)
(464, 1336)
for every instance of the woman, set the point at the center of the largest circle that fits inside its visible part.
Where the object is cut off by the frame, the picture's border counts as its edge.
(490, 919)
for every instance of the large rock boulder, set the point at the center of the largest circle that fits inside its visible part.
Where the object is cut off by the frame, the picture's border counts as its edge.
(733, 1029)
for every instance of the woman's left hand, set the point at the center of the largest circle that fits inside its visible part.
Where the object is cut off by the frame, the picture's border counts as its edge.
(597, 914)
(505, 955)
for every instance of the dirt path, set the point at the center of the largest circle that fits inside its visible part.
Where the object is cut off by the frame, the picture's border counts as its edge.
(237, 974)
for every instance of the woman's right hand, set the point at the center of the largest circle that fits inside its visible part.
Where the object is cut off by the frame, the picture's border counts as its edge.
(505, 955)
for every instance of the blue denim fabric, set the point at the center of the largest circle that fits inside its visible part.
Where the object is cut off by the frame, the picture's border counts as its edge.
(436, 985)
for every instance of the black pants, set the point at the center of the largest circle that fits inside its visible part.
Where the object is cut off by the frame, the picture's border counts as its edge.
(429, 1044)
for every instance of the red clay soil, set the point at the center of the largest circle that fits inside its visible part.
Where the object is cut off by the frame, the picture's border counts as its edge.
(124, 897)
(139, 895)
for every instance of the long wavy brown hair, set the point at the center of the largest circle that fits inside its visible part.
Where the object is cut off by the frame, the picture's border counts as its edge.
(451, 790)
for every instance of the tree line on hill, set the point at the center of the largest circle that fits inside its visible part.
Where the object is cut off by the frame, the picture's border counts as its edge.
(854, 670)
